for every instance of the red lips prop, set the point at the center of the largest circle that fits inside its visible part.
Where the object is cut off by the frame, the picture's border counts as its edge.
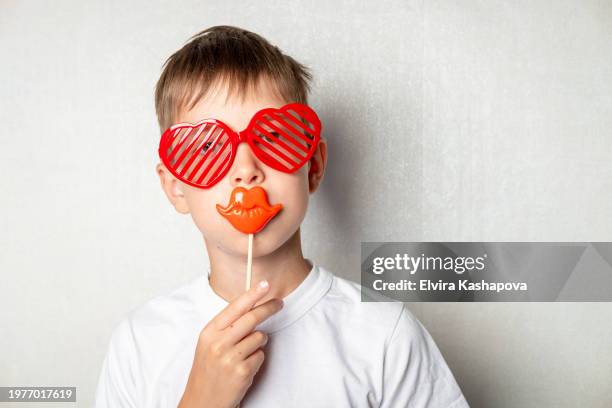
(248, 210)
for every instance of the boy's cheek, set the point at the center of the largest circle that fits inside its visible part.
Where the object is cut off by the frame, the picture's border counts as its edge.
(204, 200)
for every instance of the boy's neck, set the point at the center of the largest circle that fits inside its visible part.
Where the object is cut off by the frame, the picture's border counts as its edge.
(284, 269)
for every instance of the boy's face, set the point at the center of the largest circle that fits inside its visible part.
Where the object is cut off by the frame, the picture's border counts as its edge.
(290, 190)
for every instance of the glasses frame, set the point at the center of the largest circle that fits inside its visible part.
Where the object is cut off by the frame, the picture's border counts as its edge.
(246, 135)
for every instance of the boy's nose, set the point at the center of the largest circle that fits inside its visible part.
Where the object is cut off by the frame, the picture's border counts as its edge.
(246, 169)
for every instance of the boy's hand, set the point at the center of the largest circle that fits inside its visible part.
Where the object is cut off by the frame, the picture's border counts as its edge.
(229, 353)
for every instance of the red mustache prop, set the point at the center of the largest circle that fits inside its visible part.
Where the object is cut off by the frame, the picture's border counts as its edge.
(248, 210)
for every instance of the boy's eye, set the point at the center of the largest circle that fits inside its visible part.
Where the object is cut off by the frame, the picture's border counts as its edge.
(205, 147)
(271, 139)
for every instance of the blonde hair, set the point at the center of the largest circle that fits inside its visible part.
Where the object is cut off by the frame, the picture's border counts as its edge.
(225, 53)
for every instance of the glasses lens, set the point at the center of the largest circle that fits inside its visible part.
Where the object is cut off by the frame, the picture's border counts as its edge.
(199, 155)
(285, 139)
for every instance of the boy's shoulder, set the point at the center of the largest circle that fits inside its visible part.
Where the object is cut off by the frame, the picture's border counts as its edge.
(415, 372)
(353, 302)
(178, 303)
(163, 317)
(157, 330)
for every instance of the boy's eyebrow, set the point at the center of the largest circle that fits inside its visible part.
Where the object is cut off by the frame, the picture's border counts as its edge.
(272, 126)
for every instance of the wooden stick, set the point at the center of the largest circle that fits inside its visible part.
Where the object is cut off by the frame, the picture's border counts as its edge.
(249, 262)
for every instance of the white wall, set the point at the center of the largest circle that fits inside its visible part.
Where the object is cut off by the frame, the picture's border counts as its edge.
(471, 120)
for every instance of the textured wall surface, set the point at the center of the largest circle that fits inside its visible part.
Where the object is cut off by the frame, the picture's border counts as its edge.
(447, 121)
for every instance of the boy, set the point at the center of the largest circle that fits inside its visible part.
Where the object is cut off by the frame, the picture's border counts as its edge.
(300, 336)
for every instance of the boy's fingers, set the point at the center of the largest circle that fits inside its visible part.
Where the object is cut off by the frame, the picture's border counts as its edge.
(249, 345)
(255, 360)
(247, 323)
(239, 306)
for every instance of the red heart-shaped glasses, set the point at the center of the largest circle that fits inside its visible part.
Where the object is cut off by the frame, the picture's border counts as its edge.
(201, 154)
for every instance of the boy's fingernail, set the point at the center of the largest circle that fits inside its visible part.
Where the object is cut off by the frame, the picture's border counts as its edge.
(263, 284)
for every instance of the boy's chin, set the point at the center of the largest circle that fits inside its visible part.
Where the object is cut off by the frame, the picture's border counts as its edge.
(264, 243)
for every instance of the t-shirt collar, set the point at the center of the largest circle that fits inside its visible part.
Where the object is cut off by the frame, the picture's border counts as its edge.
(296, 303)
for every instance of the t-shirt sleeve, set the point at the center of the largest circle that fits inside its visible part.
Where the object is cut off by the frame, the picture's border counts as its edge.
(120, 375)
(414, 371)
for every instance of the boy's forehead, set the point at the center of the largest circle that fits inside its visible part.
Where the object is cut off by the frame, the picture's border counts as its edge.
(235, 109)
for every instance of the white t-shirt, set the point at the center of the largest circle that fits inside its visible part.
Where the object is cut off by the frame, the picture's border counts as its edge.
(326, 348)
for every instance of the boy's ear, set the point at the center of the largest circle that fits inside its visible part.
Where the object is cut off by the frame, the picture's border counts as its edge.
(317, 165)
(171, 187)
